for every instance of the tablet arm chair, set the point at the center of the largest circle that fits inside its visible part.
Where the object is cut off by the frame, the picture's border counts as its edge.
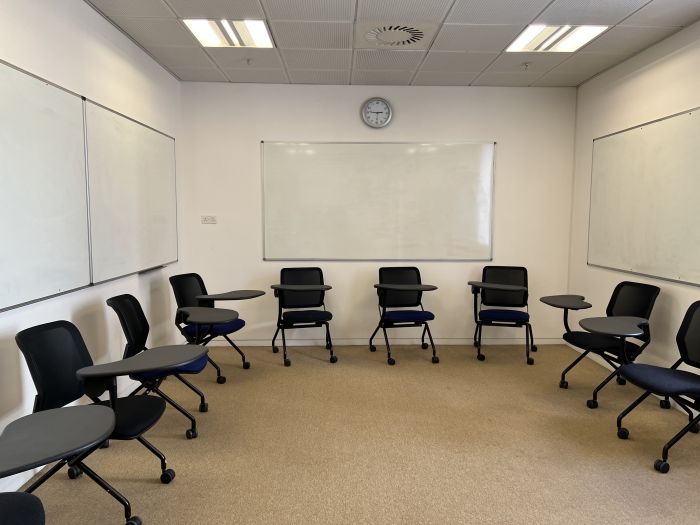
(628, 299)
(683, 386)
(136, 329)
(21, 508)
(504, 307)
(401, 309)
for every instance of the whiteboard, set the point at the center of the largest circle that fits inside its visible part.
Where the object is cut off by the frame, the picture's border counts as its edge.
(133, 211)
(43, 196)
(644, 200)
(377, 201)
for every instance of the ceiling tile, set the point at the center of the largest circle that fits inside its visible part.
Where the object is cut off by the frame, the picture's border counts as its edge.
(455, 37)
(156, 32)
(667, 13)
(522, 62)
(257, 76)
(201, 74)
(506, 79)
(387, 59)
(588, 63)
(561, 79)
(312, 35)
(245, 58)
(177, 56)
(515, 12)
(592, 12)
(453, 61)
(134, 8)
(403, 11)
(443, 78)
(310, 10)
(317, 59)
(230, 9)
(308, 76)
(384, 78)
(628, 40)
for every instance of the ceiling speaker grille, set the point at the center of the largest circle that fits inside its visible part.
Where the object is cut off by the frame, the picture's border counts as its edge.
(394, 36)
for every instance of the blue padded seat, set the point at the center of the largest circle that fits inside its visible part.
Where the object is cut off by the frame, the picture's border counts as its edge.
(306, 316)
(193, 368)
(21, 508)
(218, 329)
(408, 316)
(505, 316)
(662, 381)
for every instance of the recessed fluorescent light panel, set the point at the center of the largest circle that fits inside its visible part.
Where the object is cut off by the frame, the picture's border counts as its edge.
(231, 33)
(562, 39)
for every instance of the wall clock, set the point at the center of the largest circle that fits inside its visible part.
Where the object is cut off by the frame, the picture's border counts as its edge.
(376, 112)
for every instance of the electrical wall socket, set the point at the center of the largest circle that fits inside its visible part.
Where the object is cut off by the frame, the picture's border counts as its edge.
(208, 219)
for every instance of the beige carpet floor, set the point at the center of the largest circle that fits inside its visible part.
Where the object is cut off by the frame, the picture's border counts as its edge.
(361, 442)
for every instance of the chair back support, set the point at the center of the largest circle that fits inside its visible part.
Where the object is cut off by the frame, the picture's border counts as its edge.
(186, 287)
(54, 353)
(688, 337)
(633, 299)
(301, 299)
(133, 321)
(514, 275)
(399, 275)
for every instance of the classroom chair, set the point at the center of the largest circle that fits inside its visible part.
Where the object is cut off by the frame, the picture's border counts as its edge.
(300, 309)
(628, 299)
(504, 306)
(683, 386)
(54, 352)
(187, 287)
(136, 329)
(21, 508)
(404, 308)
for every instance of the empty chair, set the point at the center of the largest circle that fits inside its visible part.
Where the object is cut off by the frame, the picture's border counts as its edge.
(136, 328)
(402, 308)
(54, 353)
(21, 508)
(302, 309)
(503, 307)
(683, 386)
(628, 299)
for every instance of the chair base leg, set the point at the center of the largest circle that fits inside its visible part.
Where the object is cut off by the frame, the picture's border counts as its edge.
(390, 360)
(563, 383)
(246, 364)
(274, 338)
(203, 405)
(593, 402)
(191, 432)
(286, 361)
(167, 474)
(373, 348)
(435, 359)
(221, 379)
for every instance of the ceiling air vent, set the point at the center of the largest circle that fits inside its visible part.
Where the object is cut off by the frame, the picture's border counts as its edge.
(380, 35)
(395, 36)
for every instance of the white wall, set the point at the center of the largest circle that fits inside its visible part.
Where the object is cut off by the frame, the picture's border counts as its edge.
(68, 43)
(219, 159)
(661, 81)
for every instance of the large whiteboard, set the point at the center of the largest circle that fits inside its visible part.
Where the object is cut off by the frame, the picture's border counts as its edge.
(43, 200)
(645, 190)
(377, 201)
(133, 211)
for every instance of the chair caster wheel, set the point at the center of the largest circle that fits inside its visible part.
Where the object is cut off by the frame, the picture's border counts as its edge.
(592, 403)
(481, 357)
(246, 365)
(334, 359)
(435, 359)
(221, 380)
(424, 346)
(190, 434)
(391, 361)
(534, 348)
(695, 428)
(661, 466)
(134, 520)
(564, 384)
(372, 348)
(74, 472)
(621, 381)
(287, 362)
(204, 407)
(665, 404)
(167, 476)
(275, 349)
(623, 433)
(530, 361)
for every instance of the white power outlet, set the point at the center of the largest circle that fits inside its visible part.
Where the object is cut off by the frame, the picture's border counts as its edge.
(208, 219)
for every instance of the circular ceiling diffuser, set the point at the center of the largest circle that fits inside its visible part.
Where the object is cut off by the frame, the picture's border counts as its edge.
(394, 35)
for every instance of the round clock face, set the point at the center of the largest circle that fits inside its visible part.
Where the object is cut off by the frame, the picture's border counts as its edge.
(376, 112)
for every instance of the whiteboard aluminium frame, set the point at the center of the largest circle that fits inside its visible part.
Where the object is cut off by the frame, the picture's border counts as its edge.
(491, 218)
(590, 202)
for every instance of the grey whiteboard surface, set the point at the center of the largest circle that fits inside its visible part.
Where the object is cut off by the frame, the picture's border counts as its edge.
(133, 215)
(377, 201)
(43, 197)
(645, 188)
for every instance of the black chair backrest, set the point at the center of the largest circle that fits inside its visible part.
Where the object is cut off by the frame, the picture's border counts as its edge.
(515, 275)
(634, 299)
(186, 287)
(301, 299)
(688, 337)
(54, 353)
(133, 321)
(399, 275)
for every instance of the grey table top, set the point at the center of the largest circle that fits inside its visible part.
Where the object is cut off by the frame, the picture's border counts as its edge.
(406, 287)
(497, 286)
(44, 437)
(161, 358)
(620, 326)
(570, 302)
(235, 295)
(301, 287)
(206, 315)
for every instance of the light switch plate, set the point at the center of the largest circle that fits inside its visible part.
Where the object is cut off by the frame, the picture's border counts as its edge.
(208, 219)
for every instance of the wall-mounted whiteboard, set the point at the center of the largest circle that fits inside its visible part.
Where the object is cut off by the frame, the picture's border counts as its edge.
(377, 201)
(645, 190)
(43, 196)
(133, 211)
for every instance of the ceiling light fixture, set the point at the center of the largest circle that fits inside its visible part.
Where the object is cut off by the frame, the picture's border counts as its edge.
(541, 38)
(207, 32)
(578, 38)
(234, 33)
